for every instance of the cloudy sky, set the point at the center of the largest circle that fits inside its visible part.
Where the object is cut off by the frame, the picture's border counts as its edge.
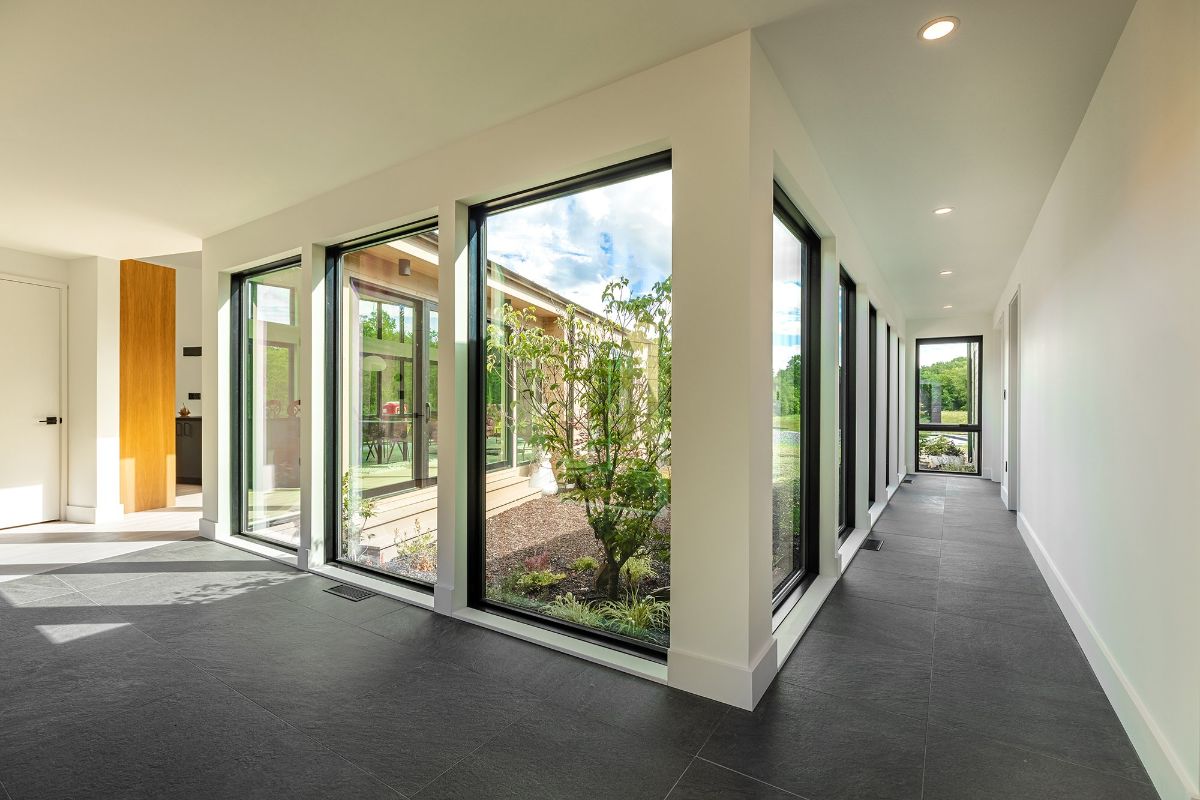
(575, 245)
(788, 323)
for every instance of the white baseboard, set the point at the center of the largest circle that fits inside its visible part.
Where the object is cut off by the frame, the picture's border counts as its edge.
(1163, 764)
(96, 515)
(733, 684)
(1004, 495)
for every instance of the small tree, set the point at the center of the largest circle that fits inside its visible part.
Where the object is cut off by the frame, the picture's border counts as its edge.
(598, 393)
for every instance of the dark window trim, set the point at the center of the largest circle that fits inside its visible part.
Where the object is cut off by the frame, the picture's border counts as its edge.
(919, 426)
(848, 405)
(872, 400)
(333, 371)
(887, 414)
(807, 549)
(237, 365)
(476, 353)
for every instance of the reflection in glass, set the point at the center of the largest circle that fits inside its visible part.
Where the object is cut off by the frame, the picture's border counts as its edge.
(270, 406)
(387, 415)
(577, 417)
(949, 382)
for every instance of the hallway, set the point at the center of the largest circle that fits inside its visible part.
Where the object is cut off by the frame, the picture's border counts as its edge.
(939, 668)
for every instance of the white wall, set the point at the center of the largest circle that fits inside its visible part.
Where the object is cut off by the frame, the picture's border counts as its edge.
(1109, 284)
(731, 130)
(189, 328)
(992, 463)
(31, 265)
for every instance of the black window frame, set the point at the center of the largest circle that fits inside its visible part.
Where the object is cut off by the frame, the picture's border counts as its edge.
(237, 384)
(918, 426)
(872, 399)
(477, 467)
(806, 548)
(333, 372)
(887, 401)
(847, 404)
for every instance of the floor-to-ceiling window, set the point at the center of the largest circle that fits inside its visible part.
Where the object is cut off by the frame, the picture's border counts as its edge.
(889, 409)
(384, 323)
(796, 253)
(570, 417)
(947, 404)
(846, 403)
(266, 422)
(872, 399)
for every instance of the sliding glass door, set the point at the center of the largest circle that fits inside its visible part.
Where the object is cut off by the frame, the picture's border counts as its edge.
(266, 421)
(385, 336)
(796, 253)
(947, 404)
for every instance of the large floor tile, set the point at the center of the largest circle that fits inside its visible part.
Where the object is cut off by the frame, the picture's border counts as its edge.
(1043, 655)
(707, 781)
(412, 729)
(1027, 610)
(994, 538)
(61, 617)
(898, 561)
(876, 621)
(903, 543)
(222, 746)
(30, 589)
(1001, 521)
(844, 666)
(890, 587)
(913, 523)
(184, 556)
(960, 765)
(988, 575)
(551, 753)
(1049, 718)
(679, 719)
(817, 745)
(309, 590)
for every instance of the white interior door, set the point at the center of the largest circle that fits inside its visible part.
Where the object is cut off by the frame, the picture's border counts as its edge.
(30, 396)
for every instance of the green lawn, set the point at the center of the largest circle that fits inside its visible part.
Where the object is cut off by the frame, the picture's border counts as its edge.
(954, 417)
(788, 422)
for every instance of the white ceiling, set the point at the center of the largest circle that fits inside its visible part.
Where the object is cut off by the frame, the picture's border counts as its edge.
(142, 126)
(979, 121)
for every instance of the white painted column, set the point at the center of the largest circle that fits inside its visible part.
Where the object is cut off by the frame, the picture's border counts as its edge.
(862, 404)
(214, 400)
(94, 390)
(314, 416)
(827, 531)
(450, 592)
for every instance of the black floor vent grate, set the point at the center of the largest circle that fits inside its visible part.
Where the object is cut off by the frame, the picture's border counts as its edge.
(350, 592)
(871, 543)
(907, 480)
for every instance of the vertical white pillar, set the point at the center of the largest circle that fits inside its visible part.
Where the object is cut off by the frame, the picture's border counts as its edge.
(450, 591)
(215, 402)
(862, 406)
(93, 415)
(314, 416)
(904, 444)
(829, 391)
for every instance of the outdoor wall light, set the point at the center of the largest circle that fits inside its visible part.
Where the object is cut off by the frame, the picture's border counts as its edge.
(405, 267)
(938, 28)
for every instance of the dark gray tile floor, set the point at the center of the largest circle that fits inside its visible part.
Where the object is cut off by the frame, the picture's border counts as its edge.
(939, 668)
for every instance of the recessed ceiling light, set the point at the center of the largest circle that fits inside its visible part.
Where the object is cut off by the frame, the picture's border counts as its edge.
(938, 28)
(943, 211)
(947, 306)
(946, 272)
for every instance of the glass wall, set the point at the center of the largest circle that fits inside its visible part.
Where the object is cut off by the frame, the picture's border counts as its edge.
(267, 422)
(387, 409)
(889, 409)
(573, 436)
(844, 440)
(795, 314)
(948, 397)
(872, 400)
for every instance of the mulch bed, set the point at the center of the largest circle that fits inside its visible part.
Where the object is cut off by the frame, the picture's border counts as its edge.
(558, 527)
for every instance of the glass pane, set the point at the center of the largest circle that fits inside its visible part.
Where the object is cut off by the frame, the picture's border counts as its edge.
(387, 413)
(949, 391)
(788, 364)
(839, 440)
(271, 407)
(578, 408)
(948, 451)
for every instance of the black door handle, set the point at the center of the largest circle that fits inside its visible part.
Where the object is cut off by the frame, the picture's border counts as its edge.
(50, 421)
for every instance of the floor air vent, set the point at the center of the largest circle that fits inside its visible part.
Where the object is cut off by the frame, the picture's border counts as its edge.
(350, 592)
(871, 543)
(907, 480)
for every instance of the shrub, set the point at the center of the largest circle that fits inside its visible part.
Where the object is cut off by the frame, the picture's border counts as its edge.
(538, 563)
(537, 580)
(637, 611)
(638, 569)
(571, 609)
(584, 564)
